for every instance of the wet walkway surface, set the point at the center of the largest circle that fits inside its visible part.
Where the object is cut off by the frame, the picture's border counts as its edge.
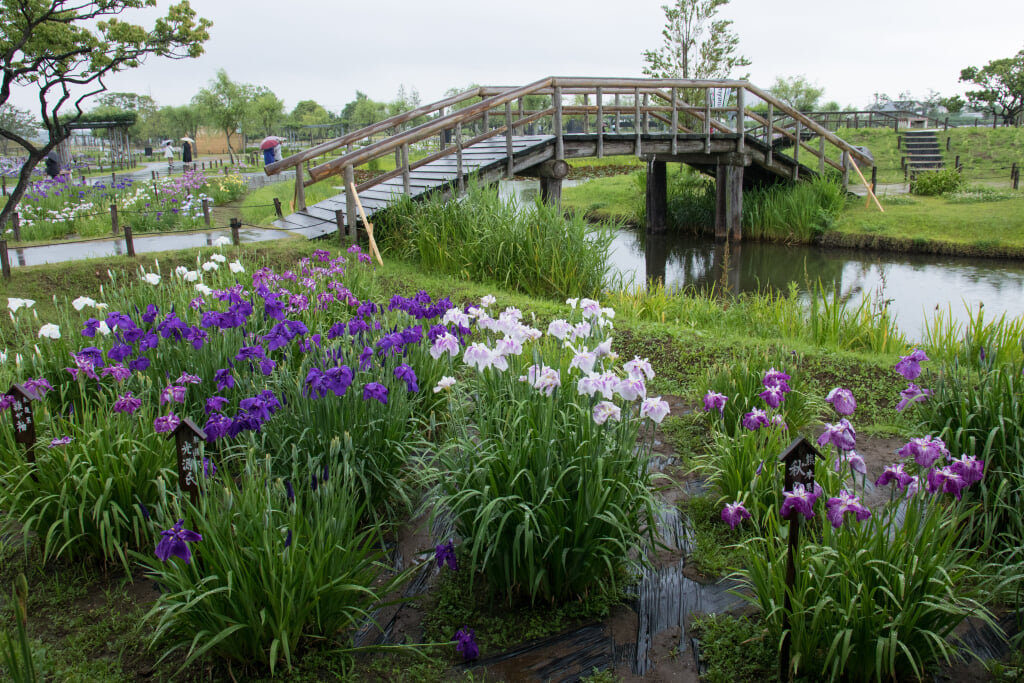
(75, 251)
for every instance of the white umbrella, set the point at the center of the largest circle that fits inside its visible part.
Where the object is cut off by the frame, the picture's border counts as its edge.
(165, 143)
(187, 139)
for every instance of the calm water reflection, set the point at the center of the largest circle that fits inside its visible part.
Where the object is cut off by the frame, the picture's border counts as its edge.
(916, 285)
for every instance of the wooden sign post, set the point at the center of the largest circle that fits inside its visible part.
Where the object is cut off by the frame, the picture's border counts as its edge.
(21, 418)
(189, 438)
(798, 460)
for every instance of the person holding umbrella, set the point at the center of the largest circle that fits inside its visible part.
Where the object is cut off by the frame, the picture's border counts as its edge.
(169, 154)
(271, 147)
(186, 150)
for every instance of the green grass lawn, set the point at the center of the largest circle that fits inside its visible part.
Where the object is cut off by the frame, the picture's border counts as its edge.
(983, 226)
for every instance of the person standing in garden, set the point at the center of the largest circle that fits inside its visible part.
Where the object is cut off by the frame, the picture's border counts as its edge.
(169, 155)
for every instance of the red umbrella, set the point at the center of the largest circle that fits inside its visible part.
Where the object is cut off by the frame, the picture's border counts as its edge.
(270, 141)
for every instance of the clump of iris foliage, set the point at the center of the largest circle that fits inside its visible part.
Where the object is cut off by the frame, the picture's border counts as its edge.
(879, 590)
(327, 406)
(485, 238)
(54, 208)
(791, 213)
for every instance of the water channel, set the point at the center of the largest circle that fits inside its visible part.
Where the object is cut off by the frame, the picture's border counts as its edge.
(917, 286)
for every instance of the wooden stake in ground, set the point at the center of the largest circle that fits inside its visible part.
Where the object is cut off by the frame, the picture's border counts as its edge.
(869, 187)
(369, 226)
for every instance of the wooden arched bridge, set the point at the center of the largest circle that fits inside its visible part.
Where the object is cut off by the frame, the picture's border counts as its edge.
(738, 133)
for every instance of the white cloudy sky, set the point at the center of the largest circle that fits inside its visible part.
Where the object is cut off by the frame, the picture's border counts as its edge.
(326, 50)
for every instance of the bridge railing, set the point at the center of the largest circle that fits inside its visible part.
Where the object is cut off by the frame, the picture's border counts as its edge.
(677, 107)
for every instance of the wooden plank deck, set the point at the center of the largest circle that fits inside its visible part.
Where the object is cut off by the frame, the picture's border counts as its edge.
(484, 158)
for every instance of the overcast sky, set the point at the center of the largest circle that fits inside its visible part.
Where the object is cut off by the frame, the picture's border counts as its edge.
(325, 50)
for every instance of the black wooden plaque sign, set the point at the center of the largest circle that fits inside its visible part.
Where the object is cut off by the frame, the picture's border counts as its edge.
(21, 418)
(188, 438)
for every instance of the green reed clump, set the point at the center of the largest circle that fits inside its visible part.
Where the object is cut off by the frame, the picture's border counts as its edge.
(283, 567)
(792, 213)
(531, 249)
(978, 343)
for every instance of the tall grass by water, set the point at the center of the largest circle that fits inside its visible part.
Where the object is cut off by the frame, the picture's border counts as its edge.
(531, 249)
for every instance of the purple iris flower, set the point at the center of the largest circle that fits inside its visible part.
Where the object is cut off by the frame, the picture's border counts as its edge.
(357, 325)
(186, 378)
(92, 325)
(773, 396)
(166, 423)
(217, 426)
(776, 378)
(288, 539)
(466, 643)
(119, 352)
(365, 358)
(118, 319)
(197, 337)
(390, 344)
(175, 542)
(215, 404)
(119, 372)
(39, 387)
(289, 491)
(755, 419)
(223, 379)
(715, 401)
(445, 554)
(127, 403)
(151, 313)
(910, 366)
(209, 469)
(173, 393)
(842, 400)
(894, 473)
(150, 341)
(841, 435)
(969, 468)
(140, 364)
(336, 330)
(912, 394)
(134, 334)
(925, 451)
(145, 511)
(734, 513)
(845, 503)
(854, 460)
(946, 480)
(800, 500)
(405, 373)
(375, 390)
(62, 441)
(267, 366)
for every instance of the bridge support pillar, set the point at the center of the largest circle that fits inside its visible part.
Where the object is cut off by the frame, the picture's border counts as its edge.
(550, 173)
(728, 202)
(657, 197)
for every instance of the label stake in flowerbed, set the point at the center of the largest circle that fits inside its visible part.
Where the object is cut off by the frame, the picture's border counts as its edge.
(21, 418)
(189, 440)
(798, 461)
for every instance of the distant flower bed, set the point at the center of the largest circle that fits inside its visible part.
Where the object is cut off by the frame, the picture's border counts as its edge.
(55, 208)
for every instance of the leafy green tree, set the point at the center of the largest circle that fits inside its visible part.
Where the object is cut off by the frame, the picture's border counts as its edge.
(266, 111)
(954, 104)
(225, 105)
(143, 106)
(173, 121)
(798, 92)
(18, 121)
(694, 43)
(64, 49)
(309, 113)
(1001, 87)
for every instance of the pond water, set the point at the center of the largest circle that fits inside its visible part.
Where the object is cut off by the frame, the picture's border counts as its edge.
(917, 286)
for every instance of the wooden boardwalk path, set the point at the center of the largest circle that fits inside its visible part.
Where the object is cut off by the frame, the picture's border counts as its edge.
(487, 160)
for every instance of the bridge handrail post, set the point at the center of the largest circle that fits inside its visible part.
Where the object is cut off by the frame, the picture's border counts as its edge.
(586, 113)
(796, 152)
(461, 184)
(647, 113)
(821, 155)
(618, 115)
(600, 123)
(559, 141)
(707, 121)
(636, 120)
(846, 170)
(406, 181)
(510, 165)
(675, 122)
(300, 189)
(771, 132)
(350, 202)
(741, 112)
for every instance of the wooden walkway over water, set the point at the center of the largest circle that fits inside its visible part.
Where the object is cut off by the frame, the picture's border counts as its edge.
(731, 130)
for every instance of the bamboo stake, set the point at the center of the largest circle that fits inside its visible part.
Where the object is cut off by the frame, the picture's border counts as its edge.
(369, 226)
(871, 190)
